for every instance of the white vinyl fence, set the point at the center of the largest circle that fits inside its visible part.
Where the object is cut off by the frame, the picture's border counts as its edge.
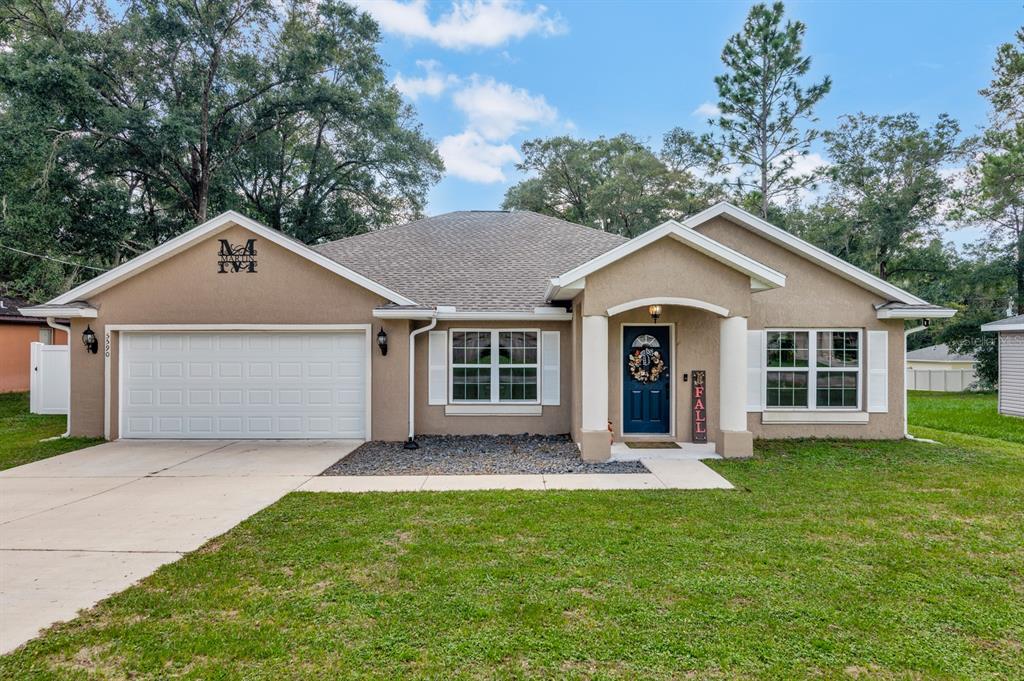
(49, 384)
(943, 380)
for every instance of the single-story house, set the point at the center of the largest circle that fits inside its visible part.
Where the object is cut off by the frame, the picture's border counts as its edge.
(1011, 363)
(17, 333)
(717, 329)
(936, 367)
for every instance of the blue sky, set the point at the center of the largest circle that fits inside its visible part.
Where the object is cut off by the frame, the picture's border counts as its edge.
(484, 75)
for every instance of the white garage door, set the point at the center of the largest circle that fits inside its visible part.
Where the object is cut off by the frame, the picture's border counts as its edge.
(243, 385)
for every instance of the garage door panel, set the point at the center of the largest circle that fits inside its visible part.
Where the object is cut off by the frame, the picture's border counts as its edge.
(257, 385)
(140, 369)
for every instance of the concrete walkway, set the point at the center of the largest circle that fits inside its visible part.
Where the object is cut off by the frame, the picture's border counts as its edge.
(664, 474)
(81, 526)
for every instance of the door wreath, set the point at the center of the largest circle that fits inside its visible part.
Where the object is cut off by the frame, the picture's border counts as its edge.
(645, 364)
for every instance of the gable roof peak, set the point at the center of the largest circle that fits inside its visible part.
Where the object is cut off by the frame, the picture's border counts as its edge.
(805, 249)
(209, 228)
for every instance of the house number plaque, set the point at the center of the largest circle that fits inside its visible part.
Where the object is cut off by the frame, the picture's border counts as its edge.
(234, 258)
(700, 411)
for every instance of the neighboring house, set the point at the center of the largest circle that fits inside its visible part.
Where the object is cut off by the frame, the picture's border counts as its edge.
(17, 333)
(1011, 363)
(936, 367)
(721, 327)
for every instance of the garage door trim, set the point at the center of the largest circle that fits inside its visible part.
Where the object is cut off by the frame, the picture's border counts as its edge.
(366, 330)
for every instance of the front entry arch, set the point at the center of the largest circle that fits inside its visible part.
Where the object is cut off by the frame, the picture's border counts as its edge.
(665, 300)
(647, 366)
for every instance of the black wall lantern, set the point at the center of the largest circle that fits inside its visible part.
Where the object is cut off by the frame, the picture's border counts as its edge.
(382, 341)
(89, 340)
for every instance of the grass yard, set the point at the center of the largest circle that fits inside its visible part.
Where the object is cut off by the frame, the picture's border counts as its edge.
(970, 413)
(21, 432)
(833, 560)
(839, 560)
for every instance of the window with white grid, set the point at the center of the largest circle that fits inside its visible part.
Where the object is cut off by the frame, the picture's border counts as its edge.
(498, 365)
(813, 369)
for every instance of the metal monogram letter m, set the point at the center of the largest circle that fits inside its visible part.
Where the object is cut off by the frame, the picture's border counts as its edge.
(237, 258)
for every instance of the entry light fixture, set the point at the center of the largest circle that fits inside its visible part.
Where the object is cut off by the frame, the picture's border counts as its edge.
(89, 340)
(382, 341)
(655, 311)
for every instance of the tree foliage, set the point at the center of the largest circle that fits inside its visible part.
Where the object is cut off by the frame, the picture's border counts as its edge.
(994, 192)
(130, 128)
(615, 184)
(888, 187)
(765, 110)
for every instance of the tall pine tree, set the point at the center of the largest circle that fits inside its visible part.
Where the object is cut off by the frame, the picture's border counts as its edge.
(766, 111)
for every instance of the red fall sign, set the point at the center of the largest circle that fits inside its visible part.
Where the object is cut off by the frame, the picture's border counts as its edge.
(700, 412)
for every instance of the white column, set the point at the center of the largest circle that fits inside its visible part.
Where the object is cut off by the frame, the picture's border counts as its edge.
(595, 373)
(732, 414)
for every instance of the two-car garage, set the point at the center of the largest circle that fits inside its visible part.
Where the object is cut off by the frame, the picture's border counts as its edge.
(244, 384)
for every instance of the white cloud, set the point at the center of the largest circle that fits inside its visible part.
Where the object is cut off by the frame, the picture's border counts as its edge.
(494, 112)
(432, 84)
(706, 110)
(497, 110)
(470, 23)
(805, 164)
(471, 157)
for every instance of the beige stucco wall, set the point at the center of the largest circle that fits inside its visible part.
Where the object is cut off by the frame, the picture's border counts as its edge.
(813, 298)
(554, 420)
(671, 269)
(286, 289)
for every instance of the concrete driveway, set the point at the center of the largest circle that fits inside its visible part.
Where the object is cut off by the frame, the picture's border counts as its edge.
(79, 527)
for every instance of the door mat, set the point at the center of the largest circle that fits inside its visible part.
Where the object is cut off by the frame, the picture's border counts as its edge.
(652, 445)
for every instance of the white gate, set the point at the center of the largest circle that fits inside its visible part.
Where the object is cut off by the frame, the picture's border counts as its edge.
(50, 380)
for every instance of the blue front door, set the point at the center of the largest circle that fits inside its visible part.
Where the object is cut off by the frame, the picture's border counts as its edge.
(646, 379)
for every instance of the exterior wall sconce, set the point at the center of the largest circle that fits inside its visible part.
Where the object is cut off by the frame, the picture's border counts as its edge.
(382, 341)
(654, 311)
(89, 340)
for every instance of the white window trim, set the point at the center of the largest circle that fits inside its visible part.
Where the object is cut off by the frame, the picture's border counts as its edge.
(495, 367)
(808, 416)
(490, 409)
(812, 370)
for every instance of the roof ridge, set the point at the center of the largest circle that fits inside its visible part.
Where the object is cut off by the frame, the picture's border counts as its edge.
(575, 225)
(371, 232)
(583, 229)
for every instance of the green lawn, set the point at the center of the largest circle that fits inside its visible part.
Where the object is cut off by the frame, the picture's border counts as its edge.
(832, 560)
(970, 413)
(21, 432)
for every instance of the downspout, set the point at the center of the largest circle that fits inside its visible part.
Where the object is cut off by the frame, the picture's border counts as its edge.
(67, 330)
(906, 335)
(411, 442)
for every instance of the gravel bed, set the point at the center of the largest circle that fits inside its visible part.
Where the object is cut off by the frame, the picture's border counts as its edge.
(475, 455)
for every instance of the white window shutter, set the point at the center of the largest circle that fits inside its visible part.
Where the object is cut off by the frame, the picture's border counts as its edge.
(438, 375)
(755, 370)
(551, 379)
(878, 371)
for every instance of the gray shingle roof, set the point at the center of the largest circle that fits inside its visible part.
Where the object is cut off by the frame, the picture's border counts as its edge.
(9, 306)
(1008, 322)
(9, 311)
(938, 353)
(474, 260)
